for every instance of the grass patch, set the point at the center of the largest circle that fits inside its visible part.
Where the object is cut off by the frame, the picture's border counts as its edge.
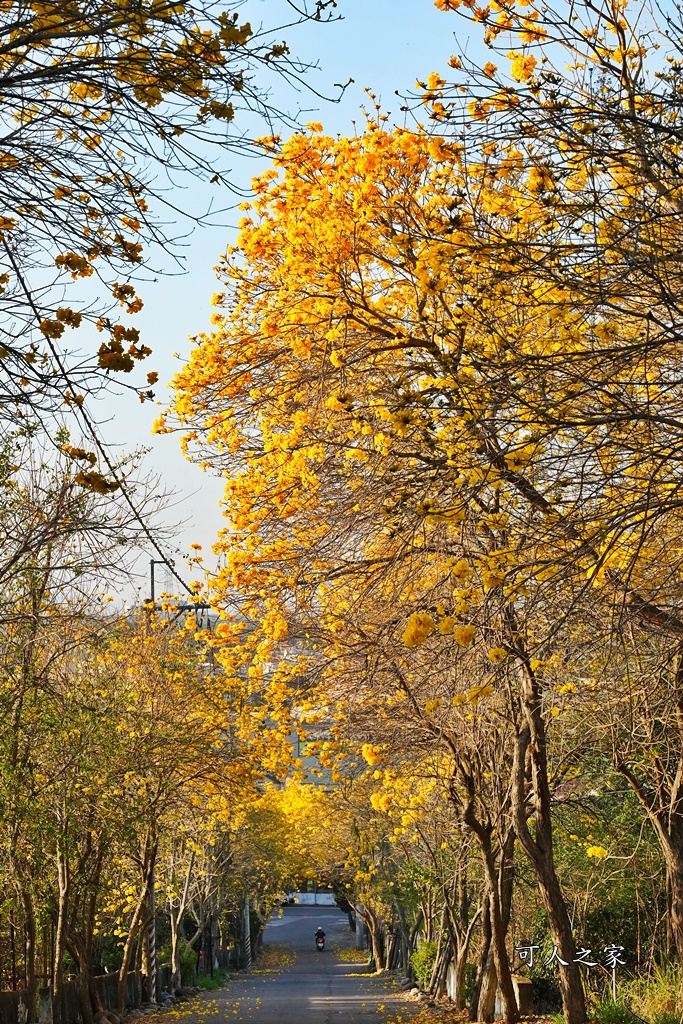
(608, 1012)
(654, 997)
(210, 982)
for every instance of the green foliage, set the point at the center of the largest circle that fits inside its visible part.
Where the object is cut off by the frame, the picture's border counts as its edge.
(468, 983)
(666, 1018)
(107, 954)
(422, 962)
(608, 1012)
(211, 982)
(187, 958)
(256, 926)
(606, 900)
(654, 997)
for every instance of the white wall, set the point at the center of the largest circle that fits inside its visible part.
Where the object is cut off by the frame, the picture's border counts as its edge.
(317, 899)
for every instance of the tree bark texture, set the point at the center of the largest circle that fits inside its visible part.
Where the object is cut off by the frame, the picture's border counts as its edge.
(531, 765)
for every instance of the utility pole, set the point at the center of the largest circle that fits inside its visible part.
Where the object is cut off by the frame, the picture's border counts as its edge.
(152, 563)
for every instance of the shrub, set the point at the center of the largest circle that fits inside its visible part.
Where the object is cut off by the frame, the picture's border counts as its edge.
(654, 996)
(666, 1018)
(422, 961)
(187, 957)
(608, 1012)
(211, 982)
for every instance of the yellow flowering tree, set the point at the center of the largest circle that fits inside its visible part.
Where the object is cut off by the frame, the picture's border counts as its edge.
(95, 96)
(393, 507)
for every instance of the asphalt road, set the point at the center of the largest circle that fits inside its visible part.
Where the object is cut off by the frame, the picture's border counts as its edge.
(293, 983)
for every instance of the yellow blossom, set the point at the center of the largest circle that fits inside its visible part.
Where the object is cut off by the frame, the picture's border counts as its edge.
(463, 635)
(523, 67)
(420, 626)
(497, 654)
(599, 852)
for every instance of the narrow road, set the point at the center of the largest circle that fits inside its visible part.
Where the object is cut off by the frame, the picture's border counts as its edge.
(293, 983)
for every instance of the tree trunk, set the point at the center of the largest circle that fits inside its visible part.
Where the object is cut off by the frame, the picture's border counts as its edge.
(128, 949)
(403, 939)
(95, 1000)
(500, 957)
(497, 886)
(497, 899)
(137, 979)
(176, 981)
(30, 953)
(377, 946)
(84, 994)
(176, 915)
(486, 1002)
(460, 930)
(148, 864)
(438, 983)
(483, 961)
(412, 939)
(460, 965)
(662, 800)
(440, 939)
(60, 935)
(144, 962)
(674, 870)
(89, 925)
(530, 754)
(391, 949)
(75, 945)
(376, 938)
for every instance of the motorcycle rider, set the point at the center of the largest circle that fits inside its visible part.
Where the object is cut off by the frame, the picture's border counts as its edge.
(320, 934)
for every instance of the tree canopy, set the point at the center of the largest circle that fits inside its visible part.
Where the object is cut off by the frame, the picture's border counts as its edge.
(443, 387)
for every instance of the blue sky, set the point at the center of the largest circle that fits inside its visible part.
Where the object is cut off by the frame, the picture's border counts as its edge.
(382, 45)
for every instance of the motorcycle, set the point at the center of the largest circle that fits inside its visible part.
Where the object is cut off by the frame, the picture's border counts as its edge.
(320, 942)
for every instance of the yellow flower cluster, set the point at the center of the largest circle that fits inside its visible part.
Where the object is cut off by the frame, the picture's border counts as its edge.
(420, 626)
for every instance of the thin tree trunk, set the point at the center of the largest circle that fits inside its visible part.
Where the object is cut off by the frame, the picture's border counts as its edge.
(487, 994)
(531, 747)
(463, 937)
(674, 870)
(391, 950)
(60, 932)
(176, 918)
(483, 960)
(375, 938)
(148, 862)
(30, 955)
(403, 939)
(128, 949)
(89, 925)
(663, 803)
(437, 959)
(412, 939)
(497, 918)
(437, 983)
(460, 965)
